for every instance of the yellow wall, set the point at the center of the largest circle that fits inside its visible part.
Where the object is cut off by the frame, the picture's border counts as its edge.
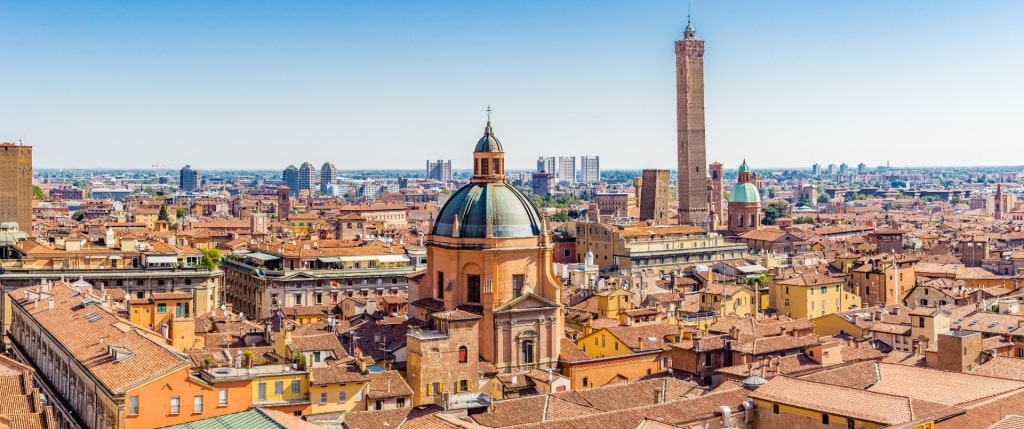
(800, 299)
(740, 303)
(355, 397)
(617, 301)
(286, 393)
(832, 324)
(601, 344)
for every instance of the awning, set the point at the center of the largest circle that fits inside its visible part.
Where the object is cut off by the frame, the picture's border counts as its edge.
(354, 258)
(262, 256)
(333, 259)
(115, 256)
(392, 258)
(161, 259)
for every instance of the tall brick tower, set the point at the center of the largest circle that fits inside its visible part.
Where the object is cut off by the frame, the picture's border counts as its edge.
(693, 191)
(716, 195)
(16, 185)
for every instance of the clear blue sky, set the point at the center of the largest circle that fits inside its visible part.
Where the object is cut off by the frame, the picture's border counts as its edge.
(375, 84)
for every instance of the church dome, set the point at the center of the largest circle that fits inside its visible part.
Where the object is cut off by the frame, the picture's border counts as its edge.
(497, 206)
(744, 168)
(744, 193)
(488, 143)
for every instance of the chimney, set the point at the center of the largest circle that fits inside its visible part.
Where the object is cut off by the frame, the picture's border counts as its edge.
(49, 303)
(726, 417)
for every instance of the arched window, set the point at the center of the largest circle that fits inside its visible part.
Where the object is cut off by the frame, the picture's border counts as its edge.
(463, 354)
(527, 352)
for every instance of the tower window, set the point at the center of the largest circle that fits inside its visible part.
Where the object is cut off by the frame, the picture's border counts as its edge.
(473, 288)
(485, 166)
(527, 352)
(440, 285)
(463, 354)
(517, 284)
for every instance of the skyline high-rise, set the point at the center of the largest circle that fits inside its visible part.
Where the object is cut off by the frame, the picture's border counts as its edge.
(328, 177)
(566, 169)
(290, 176)
(590, 169)
(439, 170)
(16, 185)
(307, 176)
(188, 179)
(693, 199)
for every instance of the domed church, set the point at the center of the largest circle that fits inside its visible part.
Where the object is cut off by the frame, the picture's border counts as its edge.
(489, 271)
(744, 203)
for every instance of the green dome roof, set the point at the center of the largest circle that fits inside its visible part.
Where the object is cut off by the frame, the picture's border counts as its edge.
(744, 193)
(744, 168)
(511, 214)
(488, 143)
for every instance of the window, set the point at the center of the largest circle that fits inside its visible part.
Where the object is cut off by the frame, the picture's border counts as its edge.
(342, 396)
(323, 397)
(517, 284)
(463, 385)
(261, 390)
(181, 310)
(400, 402)
(527, 351)
(197, 404)
(296, 386)
(278, 388)
(775, 408)
(824, 418)
(584, 381)
(175, 405)
(824, 290)
(222, 397)
(920, 323)
(379, 405)
(133, 405)
(161, 308)
(851, 424)
(463, 354)
(473, 288)
(316, 357)
(440, 285)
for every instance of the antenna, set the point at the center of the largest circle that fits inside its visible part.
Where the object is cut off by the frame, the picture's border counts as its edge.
(488, 113)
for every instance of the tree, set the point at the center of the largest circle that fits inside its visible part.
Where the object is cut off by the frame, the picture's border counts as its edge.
(560, 216)
(163, 216)
(823, 198)
(774, 211)
(180, 213)
(211, 259)
(78, 215)
(805, 219)
(37, 193)
(772, 190)
(249, 356)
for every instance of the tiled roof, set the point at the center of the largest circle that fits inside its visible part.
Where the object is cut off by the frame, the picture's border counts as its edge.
(336, 373)
(1002, 367)
(388, 384)
(857, 376)
(569, 352)
(855, 403)
(88, 341)
(645, 337)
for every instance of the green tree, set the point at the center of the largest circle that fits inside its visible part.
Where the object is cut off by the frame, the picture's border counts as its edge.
(805, 219)
(774, 211)
(37, 193)
(823, 198)
(163, 216)
(560, 216)
(211, 259)
(180, 213)
(772, 190)
(78, 215)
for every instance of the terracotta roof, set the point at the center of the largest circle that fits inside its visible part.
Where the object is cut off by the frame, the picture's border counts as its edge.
(90, 342)
(569, 352)
(388, 384)
(337, 373)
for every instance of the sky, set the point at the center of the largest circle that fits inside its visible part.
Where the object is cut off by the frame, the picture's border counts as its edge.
(390, 84)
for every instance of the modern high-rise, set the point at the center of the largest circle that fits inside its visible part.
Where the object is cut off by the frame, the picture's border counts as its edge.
(546, 164)
(290, 176)
(188, 179)
(566, 171)
(439, 170)
(328, 176)
(590, 169)
(693, 187)
(816, 169)
(654, 196)
(307, 176)
(16, 185)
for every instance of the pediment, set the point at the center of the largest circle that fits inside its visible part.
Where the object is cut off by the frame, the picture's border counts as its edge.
(527, 301)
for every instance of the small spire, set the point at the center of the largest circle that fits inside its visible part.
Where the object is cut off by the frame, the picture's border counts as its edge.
(488, 131)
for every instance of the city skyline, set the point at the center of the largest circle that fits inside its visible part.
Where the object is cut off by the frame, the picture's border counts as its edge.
(216, 86)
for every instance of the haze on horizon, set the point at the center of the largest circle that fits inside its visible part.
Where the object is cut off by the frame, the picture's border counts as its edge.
(238, 85)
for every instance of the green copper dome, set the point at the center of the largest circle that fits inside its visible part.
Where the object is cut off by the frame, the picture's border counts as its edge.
(744, 168)
(509, 213)
(744, 193)
(488, 143)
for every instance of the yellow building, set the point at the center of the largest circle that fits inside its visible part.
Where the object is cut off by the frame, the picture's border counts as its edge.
(281, 387)
(627, 340)
(612, 303)
(726, 300)
(337, 388)
(810, 294)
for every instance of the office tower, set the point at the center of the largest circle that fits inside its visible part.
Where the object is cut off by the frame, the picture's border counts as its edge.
(566, 169)
(439, 170)
(843, 169)
(816, 169)
(546, 164)
(590, 169)
(693, 191)
(328, 175)
(307, 176)
(861, 168)
(654, 197)
(290, 176)
(16, 185)
(188, 180)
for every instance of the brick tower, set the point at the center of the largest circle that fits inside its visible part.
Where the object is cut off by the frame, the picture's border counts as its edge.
(693, 198)
(715, 198)
(16, 185)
